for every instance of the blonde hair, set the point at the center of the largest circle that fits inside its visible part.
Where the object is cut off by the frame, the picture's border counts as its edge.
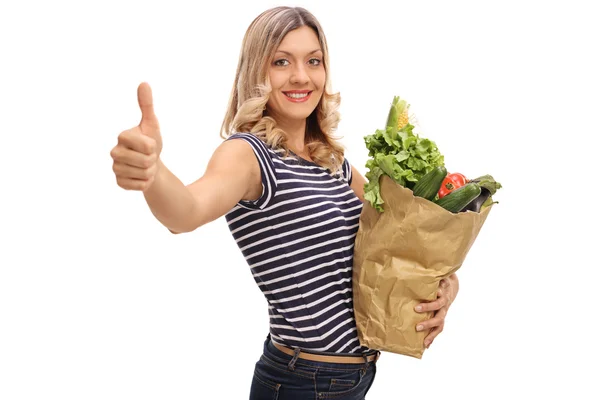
(247, 112)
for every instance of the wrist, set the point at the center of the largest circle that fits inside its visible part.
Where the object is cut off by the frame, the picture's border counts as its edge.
(158, 176)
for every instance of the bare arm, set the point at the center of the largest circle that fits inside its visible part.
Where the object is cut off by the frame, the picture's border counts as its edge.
(358, 184)
(231, 175)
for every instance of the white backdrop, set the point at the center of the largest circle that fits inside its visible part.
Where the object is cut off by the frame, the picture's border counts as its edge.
(99, 301)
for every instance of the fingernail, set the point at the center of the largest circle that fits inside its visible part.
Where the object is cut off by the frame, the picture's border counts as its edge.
(418, 308)
(419, 327)
(427, 344)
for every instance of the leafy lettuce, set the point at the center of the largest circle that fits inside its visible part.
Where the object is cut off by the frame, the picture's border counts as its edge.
(402, 155)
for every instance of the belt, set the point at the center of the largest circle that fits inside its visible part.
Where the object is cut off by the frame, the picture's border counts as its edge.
(330, 359)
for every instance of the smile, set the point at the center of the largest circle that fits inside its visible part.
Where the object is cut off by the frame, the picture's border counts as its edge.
(297, 97)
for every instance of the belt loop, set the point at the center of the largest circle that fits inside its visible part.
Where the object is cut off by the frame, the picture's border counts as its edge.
(292, 363)
(364, 369)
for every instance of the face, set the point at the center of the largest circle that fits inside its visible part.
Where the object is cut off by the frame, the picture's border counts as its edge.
(297, 76)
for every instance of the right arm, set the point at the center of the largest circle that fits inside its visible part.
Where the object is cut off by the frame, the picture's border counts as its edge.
(232, 174)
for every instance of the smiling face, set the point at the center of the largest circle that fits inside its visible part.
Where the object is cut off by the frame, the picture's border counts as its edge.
(297, 76)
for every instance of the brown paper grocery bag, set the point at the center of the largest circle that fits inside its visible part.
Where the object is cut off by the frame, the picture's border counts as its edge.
(400, 256)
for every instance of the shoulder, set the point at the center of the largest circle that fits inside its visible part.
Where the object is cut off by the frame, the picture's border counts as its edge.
(233, 152)
(249, 138)
(347, 170)
(259, 167)
(356, 180)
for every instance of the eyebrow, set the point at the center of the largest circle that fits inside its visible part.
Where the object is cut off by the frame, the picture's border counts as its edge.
(290, 54)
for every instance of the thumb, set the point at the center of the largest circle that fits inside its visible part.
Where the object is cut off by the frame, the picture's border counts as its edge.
(146, 103)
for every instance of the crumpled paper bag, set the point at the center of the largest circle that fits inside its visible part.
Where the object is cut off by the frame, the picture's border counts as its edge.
(400, 257)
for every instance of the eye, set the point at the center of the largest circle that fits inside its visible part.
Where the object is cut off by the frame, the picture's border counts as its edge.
(281, 62)
(315, 61)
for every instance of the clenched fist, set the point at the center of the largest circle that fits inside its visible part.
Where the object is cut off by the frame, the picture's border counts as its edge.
(135, 157)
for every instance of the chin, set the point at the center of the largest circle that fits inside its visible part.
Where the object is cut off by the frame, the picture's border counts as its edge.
(301, 112)
(297, 116)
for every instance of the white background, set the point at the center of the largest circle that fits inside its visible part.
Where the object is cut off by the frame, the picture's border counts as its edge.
(99, 301)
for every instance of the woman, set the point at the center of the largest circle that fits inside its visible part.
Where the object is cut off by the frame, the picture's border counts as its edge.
(292, 202)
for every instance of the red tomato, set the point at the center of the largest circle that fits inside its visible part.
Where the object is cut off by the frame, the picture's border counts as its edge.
(450, 183)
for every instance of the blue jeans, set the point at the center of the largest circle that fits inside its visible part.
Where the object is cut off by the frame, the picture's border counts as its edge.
(277, 376)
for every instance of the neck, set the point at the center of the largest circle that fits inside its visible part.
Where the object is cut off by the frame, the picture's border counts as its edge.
(295, 133)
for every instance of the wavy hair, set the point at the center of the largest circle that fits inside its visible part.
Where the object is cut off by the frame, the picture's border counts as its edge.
(247, 111)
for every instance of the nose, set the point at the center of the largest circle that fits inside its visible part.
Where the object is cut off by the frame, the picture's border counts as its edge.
(299, 74)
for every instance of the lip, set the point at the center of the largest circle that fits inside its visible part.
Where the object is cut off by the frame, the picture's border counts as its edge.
(302, 100)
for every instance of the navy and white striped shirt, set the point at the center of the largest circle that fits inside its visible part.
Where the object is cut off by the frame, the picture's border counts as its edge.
(298, 239)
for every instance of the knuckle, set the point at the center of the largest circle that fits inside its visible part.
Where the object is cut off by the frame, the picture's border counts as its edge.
(147, 174)
(152, 147)
(138, 184)
(123, 136)
(147, 161)
(117, 152)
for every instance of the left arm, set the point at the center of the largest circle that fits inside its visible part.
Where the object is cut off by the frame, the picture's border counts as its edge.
(358, 184)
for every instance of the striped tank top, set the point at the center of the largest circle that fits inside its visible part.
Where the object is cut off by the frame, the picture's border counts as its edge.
(298, 239)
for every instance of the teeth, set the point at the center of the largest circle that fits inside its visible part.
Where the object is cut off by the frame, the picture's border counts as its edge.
(296, 95)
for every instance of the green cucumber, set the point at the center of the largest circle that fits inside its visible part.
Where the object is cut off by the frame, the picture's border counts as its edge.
(460, 198)
(430, 183)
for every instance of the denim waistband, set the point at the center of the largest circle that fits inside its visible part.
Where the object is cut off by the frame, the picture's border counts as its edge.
(274, 351)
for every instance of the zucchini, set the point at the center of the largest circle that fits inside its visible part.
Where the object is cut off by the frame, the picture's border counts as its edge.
(476, 204)
(460, 198)
(430, 183)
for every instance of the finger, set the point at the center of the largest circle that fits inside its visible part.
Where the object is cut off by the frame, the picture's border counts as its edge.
(146, 104)
(129, 172)
(431, 323)
(432, 306)
(124, 155)
(134, 139)
(134, 184)
(432, 335)
(444, 283)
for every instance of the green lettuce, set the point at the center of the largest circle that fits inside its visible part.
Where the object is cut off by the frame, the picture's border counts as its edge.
(400, 154)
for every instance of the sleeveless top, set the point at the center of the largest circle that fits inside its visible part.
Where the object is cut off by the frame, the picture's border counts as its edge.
(298, 239)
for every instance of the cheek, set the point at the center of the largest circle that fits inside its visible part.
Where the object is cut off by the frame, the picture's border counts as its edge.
(276, 79)
(319, 80)
(272, 103)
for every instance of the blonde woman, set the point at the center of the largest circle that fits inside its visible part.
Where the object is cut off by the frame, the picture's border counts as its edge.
(292, 202)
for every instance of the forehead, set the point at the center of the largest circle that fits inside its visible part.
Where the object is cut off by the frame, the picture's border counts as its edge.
(301, 40)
